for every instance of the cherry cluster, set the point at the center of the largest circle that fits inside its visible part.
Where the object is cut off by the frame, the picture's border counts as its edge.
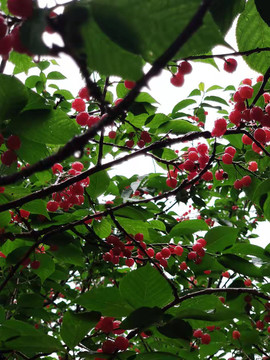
(12, 143)
(184, 68)
(74, 194)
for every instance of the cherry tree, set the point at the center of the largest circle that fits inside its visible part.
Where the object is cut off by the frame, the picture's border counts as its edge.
(102, 266)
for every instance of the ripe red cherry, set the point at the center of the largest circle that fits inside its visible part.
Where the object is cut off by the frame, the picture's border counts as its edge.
(82, 118)
(178, 250)
(252, 166)
(77, 165)
(183, 265)
(139, 237)
(237, 97)
(141, 144)
(78, 105)
(247, 82)
(84, 94)
(246, 140)
(220, 127)
(227, 158)
(248, 282)
(236, 334)
(112, 134)
(177, 80)
(206, 339)
(57, 168)
(246, 181)
(21, 8)
(230, 150)
(260, 135)
(202, 149)
(246, 92)
(235, 117)
(198, 333)
(5, 45)
(121, 343)
(52, 206)
(259, 78)
(226, 274)
(13, 142)
(106, 325)
(202, 241)
(260, 324)
(208, 176)
(108, 347)
(166, 253)
(192, 255)
(219, 174)
(24, 214)
(129, 262)
(129, 84)
(171, 182)
(185, 67)
(8, 157)
(130, 143)
(35, 264)
(230, 65)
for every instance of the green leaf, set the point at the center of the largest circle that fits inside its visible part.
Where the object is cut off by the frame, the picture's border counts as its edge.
(225, 11)
(220, 237)
(142, 318)
(145, 287)
(183, 104)
(31, 32)
(45, 127)
(108, 301)
(46, 268)
(5, 218)
(157, 356)
(22, 62)
(30, 301)
(177, 329)
(235, 140)
(216, 99)
(177, 127)
(70, 254)
(37, 207)
(76, 326)
(102, 228)
(13, 96)
(55, 75)
(188, 227)
(239, 265)
(31, 151)
(263, 8)
(248, 37)
(99, 183)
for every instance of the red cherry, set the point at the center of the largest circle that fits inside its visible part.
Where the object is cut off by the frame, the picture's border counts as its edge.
(227, 159)
(24, 214)
(35, 264)
(177, 80)
(235, 117)
(230, 150)
(77, 165)
(202, 241)
(106, 325)
(57, 168)
(108, 347)
(130, 143)
(256, 113)
(52, 206)
(82, 118)
(78, 105)
(238, 184)
(207, 176)
(237, 97)
(6, 45)
(145, 136)
(246, 140)
(256, 148)
(163, 262)
(21, 8)
(230, 65)
(183, 266)
(112, 134)
(260, 135)
(260, 325)
(185, 67)
(252, 166)
(171, 182)
(246, 92)
(166, 253)
(139, 237)
(198, 333)
(247, 82)
(219, 174)
(236, 334)
(3, 27)
(246, 181)
(202, 149)
(226, 274)
(121, 343)
(84, 93)
(129, 262)
(259, 78)
(248, 282)
(192, 255)
(8, 157)
(13, 142)
(129, 84)
(178, 250)
(220, 127)
(206, 339)
(222, 299)
(150, 252)
(141, 144)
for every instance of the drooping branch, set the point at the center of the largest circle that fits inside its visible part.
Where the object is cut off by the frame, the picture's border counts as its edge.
(79, 142)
